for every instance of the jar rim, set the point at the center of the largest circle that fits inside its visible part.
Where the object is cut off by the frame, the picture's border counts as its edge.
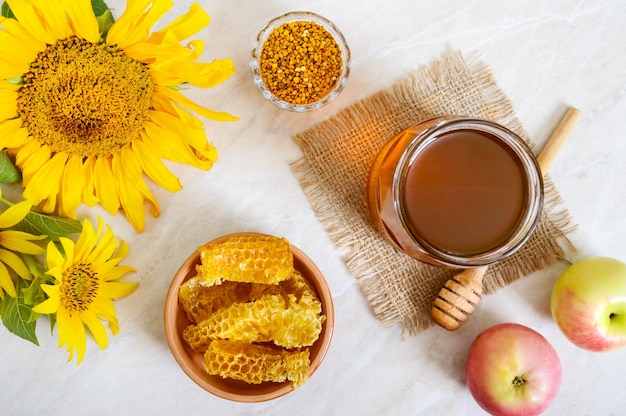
(534, 190)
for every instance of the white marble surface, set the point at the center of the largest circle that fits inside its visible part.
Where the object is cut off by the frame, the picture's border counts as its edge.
(545, 55)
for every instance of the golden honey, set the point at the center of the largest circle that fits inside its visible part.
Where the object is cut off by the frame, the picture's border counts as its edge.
(456, 192)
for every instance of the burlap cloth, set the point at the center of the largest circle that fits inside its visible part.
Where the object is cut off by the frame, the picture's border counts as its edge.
(338, 152)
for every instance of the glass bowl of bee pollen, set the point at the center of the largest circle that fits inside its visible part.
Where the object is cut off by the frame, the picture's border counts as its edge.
(301, 61)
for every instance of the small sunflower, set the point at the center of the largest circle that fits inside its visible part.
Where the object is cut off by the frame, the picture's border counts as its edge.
(86, 282)
(12, 241)
(88, 115)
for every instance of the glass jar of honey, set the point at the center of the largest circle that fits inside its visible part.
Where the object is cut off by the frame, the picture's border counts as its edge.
(456, 192)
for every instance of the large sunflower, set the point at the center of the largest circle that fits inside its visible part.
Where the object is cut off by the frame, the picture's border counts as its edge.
(87, 114)
(86, 282)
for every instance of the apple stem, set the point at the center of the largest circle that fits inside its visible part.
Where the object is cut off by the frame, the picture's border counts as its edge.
(518, 381)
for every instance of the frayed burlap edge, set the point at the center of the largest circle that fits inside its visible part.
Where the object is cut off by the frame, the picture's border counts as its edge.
(389, 306)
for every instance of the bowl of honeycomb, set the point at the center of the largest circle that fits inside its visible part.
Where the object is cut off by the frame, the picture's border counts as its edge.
(249, 317)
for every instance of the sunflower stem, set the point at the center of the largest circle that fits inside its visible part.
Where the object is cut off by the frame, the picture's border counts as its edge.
(6, 201)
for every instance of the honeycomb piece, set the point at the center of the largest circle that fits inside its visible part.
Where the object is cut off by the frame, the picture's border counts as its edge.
(296, 285)
(200, 301)
(283, 319)
(256, 364)
(254, 259)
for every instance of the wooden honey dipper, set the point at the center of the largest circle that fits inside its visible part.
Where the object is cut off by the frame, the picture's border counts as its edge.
(461, 293)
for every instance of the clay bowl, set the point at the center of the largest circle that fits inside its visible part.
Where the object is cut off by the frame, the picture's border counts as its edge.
(192, 362)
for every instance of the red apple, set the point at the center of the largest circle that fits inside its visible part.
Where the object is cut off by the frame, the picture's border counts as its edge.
(589, 303)
(513, 370)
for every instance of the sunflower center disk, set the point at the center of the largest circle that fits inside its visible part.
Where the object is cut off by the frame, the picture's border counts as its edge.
(79, 287)
(84, 98)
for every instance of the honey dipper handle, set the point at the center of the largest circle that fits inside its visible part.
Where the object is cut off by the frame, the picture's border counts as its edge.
(558, 138)
(458, 298)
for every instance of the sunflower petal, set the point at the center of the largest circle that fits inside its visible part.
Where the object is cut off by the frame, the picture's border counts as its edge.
(155, 209)
(155, 169)
(8, 104)
(135, 23)
(31, 157)
(189, 104)
(192, 142)
(55, 19)
(14, 214)
(19, 241)
(88, 195)
(72, 185)
(115, 272)
(12, 68)
(51, 290)
(167, 52)
(18, 43)
(162, 103)
(69, 251)
(135, 186)
(32, 21)
(96, 328)
(72, 334)
(122, 250)
(106, 185)
(82, 19)
(116, 290)
(194, 136)
(132, 202)
(130, 165)
(12, 134)
(87, 239)
(105, 309)
(104, 249)
(187, 24)
(171, 144)
(16, 263)
(6, 282)
(9, 86)
(50, 305)
(54, 258)
(45, 183)
(201, 74)
(207, 75)
(123, 26)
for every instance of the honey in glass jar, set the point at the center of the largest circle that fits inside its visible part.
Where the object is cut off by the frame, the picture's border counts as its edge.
(456, 192)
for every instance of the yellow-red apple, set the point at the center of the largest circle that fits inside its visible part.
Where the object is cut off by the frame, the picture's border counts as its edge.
(588, 303)
(513, 370)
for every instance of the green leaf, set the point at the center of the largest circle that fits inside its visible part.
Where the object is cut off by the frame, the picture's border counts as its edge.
(99, 8)
(53, 321)
(6, 11)
(52, 226)
(16, 317)
(15, 80)
(8, 172)
(105, 21)
(34, 294)
(103, 16)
